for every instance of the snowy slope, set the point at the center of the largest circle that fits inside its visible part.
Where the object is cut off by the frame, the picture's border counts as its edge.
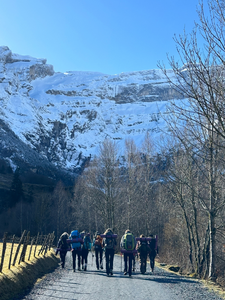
(64, 117)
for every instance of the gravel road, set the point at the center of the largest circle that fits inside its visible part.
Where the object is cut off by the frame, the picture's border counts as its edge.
(95, 285)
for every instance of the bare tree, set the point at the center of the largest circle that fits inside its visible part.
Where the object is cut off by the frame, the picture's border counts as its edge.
(103, 182)
(201, 81)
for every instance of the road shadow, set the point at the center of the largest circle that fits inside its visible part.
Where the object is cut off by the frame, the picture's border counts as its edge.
(160, 277)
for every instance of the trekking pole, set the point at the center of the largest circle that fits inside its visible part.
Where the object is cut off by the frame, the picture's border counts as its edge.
(134, 267)
(136, 262)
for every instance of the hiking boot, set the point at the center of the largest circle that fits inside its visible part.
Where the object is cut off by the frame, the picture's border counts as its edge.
(101, 266)
(125, 273)
(85, 267)
(111, 272)
(97, 268)
(82, 267)
(74, 270)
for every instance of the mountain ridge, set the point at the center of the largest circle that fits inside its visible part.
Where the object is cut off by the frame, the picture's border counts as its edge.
(64, 117)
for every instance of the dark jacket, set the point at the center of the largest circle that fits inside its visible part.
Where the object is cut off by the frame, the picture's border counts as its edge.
(62, 243)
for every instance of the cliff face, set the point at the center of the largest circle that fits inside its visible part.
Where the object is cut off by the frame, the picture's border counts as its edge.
(63, 117)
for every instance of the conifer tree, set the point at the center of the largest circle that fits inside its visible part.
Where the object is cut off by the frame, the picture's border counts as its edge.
(16, 189)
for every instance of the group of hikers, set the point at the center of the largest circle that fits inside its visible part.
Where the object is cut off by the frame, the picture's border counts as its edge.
(80, 244)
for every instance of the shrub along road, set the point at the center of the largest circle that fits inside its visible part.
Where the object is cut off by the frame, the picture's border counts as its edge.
(93, 284)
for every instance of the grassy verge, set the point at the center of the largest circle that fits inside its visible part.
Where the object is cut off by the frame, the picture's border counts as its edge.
(207, 283)
(19, 278)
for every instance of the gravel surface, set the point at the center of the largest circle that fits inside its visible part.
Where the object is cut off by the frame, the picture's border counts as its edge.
(95, 285)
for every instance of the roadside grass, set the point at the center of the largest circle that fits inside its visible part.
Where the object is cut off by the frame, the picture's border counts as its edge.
(20, 278)
(210, 285)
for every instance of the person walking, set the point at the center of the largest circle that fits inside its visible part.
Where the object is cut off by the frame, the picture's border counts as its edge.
(63, 247)
(86, 247)
(76, 247)
(143, 250)
(98, 248)
(128, 244)
(152, 251)
(109, 243)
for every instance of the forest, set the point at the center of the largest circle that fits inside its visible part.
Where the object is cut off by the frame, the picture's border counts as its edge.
(172, 187)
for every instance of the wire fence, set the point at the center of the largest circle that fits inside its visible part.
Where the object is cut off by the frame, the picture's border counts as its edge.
(14, 250)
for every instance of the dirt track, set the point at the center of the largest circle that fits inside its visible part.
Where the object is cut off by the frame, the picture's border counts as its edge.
(95, 285)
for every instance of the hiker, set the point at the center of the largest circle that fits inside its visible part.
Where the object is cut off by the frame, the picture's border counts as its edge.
(128, 244)
(62, 247)
(85, 248)
(143, 250)
(76, 247)
(98, 247)
(152, 252)
(109, 243)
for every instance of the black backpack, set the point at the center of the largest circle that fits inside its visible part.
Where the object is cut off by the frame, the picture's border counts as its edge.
(109, 241)
(143, 248)
(63, 244)
(152, 244)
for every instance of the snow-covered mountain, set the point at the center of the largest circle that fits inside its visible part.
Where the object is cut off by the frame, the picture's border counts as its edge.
(61, 118)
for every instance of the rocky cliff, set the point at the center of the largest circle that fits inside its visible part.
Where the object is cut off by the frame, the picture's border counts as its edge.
(61, 118)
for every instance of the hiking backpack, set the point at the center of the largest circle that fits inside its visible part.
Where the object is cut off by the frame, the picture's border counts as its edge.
(75, 235)
(152, 244)
(109, 242)
(98, 243)
(63, 244)
(143, 247)
(87, 242)
(128, 241)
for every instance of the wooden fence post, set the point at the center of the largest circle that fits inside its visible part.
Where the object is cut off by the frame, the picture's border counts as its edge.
(11, 253)
(3, 251)
(43, 245)
(47, 243)
(25, 243)
(18, 248)
(52, 239)
(36, 244)
(31, 245)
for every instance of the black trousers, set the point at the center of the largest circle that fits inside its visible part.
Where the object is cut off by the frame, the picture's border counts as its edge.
(128, 256)
(84, 256)
(152, 256)
(98, 256)
(63, 257)
(143, 262)
(109, 255)
(74, 254)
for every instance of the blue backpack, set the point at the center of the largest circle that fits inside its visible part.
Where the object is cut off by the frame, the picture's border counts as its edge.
(75, 235)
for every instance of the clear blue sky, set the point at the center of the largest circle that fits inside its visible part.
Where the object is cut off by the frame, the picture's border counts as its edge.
(109, 36)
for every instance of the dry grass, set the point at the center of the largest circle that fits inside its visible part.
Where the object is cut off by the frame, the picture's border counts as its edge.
(207, 283)
(8, 251)
(19, 278)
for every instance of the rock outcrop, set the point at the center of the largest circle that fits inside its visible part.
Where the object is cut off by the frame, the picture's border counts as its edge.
(63, 117)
